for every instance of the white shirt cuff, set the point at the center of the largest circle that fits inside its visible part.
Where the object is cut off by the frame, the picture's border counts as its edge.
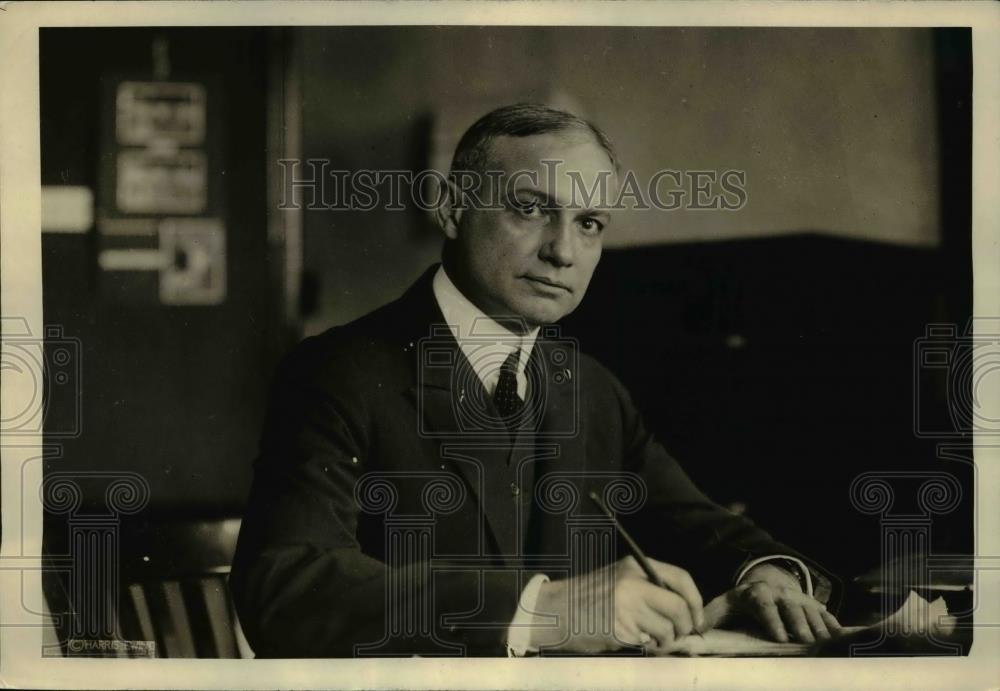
(519, 631)
(798, 562)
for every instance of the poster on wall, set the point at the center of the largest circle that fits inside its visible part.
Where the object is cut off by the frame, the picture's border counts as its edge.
(159, 208)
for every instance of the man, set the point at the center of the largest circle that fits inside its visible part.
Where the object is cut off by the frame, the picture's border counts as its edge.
(424, 471)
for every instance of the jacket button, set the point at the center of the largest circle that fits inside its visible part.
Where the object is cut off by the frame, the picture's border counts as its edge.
(514, 489)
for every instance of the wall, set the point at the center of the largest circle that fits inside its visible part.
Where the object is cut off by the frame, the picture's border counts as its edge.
(173, 392)
(178, 393)
(835, 129)
(753, 357)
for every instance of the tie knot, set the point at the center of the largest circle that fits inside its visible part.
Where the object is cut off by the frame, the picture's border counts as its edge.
(505, 397)
(512, 361)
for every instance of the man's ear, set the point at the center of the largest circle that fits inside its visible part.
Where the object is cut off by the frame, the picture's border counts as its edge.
(449, 209)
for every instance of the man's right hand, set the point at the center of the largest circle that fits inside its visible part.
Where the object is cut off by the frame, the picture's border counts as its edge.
(617, 606)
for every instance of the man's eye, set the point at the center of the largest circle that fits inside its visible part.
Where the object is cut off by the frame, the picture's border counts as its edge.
(530, 209)
(591, 225)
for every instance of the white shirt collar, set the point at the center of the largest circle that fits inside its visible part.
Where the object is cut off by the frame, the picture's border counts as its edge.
(484, 342)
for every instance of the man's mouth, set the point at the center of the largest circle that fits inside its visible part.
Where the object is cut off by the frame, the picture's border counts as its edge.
(541, 280)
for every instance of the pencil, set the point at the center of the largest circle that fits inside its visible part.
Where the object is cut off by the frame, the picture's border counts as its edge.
(634, 548)
(636, 551)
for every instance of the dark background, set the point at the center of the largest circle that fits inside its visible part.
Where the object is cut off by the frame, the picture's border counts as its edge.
(171, 392)
(772, 350)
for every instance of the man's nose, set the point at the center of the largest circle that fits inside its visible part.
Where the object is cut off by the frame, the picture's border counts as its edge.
(559, 247)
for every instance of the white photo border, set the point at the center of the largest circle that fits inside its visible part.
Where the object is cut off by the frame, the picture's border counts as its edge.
(21, 663)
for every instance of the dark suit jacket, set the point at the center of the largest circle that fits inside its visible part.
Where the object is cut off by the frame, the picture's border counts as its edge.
(390, 515)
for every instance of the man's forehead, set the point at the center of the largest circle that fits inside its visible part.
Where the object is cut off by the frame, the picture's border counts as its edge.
(562, 165)
(567, 146)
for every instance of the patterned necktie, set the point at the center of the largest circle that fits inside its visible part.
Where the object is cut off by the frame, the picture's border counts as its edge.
(505, 396)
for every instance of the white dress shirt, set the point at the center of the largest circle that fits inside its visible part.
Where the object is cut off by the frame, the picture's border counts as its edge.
(486, 344)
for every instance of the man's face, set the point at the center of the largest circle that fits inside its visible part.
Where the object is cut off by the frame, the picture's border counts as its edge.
(533, 257)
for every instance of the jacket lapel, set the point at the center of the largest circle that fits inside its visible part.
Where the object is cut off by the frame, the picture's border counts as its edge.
(557, 371)
(449, 414)
(454, 410)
